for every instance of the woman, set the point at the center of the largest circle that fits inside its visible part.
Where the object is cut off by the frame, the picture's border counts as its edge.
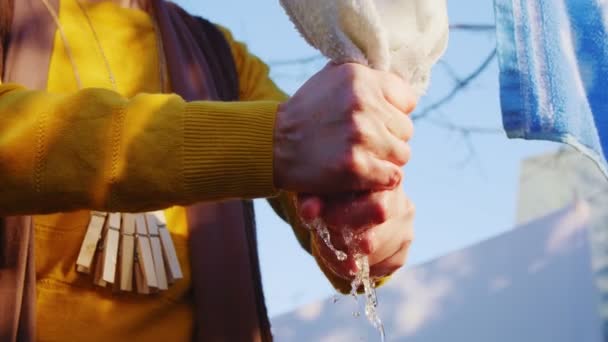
(134, 106)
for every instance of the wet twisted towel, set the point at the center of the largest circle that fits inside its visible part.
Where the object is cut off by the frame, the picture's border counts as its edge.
(554, 72)
(406, 37)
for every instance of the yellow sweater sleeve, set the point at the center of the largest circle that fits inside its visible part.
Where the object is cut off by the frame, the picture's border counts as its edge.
(95, 149)
(255, 85)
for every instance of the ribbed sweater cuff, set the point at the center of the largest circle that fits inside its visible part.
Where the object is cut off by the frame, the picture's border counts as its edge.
(228, 149)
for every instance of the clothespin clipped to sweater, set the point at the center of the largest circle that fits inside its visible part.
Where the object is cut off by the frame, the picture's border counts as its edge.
(84, 263)
(146, 281)
(157, 253)
(169, 253)
(129, 252)
(111, 248)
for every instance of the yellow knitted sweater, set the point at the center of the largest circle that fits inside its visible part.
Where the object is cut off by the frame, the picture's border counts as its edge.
(69, 151)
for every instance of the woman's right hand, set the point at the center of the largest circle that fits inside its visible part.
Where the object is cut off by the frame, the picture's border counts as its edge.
(346, 129)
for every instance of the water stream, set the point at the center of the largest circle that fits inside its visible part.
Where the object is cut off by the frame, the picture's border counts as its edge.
(361, 277)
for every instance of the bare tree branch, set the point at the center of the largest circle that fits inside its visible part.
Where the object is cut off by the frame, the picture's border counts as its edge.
(457, 88)
(473, 27)
(450, 71)
(296, 61)
(471, 151)
(463, 128)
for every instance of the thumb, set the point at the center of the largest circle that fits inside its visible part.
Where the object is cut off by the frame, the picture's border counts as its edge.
(310, 207)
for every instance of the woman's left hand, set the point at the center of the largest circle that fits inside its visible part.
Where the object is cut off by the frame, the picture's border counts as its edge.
(382, 221)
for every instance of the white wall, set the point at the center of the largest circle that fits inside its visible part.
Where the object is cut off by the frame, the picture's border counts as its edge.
(551, 181)
(532, 284)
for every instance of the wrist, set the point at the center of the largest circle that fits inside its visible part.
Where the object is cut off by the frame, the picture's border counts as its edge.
(278, 148)
(234, 137)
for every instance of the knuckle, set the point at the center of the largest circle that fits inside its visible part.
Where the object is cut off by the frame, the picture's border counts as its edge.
(356, 100)
(409, 128)
(350, 73)
(367, 243)
(411, 105)
(355, 87)
(381, 213)
(411, 101)
(352, 164)
(405, 154)
(356, 132)
(410, 208)
(401, 154)
(408, 238)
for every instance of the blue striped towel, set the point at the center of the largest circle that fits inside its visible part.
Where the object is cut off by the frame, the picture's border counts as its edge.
(553, 58)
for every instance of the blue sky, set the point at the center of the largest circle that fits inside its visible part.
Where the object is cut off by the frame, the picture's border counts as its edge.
(461, 198)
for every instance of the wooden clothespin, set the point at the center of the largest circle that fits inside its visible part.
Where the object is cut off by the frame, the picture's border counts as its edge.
(99, 256)
(157, 253)
(111, 248)
(140, 279)
(84, 263)
(127, 252)
(144, 256)
(121, 248)
(170, 255)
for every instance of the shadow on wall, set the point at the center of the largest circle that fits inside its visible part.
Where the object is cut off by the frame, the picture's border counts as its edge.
(534, 283)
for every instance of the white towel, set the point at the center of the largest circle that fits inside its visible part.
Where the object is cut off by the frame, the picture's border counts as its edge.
(406, 37)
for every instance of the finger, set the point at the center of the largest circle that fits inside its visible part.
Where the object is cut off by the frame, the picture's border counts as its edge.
(309, 207)
(400, 153)
(383, 241)
(360, 211)
(391, 264)
(398, 93)
(372, 174)
(396, 260)
(387, 146)
(399, 125)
